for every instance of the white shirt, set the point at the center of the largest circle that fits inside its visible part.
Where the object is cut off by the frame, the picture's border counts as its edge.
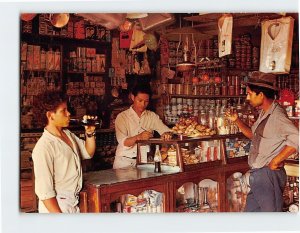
(57, 167)
(129, 124)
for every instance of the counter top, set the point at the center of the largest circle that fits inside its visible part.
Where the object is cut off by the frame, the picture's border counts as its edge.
(114, 176)
(190, 139)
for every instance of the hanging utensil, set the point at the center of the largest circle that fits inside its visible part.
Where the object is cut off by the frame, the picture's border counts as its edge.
(59, 20)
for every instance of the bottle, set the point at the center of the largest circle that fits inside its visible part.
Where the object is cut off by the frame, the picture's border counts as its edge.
(87, 122)
(157, 160)
(211, 119)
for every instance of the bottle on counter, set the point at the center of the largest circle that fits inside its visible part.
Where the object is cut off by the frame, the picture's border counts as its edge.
(157, 160)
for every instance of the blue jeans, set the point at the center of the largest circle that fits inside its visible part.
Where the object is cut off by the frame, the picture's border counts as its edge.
(266, 190)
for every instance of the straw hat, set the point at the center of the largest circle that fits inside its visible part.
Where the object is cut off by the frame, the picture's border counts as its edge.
(261, 79)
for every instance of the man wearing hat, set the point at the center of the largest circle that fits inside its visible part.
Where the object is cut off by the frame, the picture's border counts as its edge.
(274, 139)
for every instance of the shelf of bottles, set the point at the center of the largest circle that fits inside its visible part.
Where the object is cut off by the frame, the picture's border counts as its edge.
(183, 112)
(208, 87)
(200, 197)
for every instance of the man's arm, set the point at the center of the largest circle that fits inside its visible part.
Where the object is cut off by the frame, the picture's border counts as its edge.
(145, 135)
(52, 205)
(90, 140)
(243, 127)
(277, 161)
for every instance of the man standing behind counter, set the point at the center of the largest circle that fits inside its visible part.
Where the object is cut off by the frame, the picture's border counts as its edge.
(274, 139)
(136, 123)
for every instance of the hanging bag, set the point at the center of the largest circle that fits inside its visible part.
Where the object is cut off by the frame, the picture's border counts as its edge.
(276, 45)
(225, 24)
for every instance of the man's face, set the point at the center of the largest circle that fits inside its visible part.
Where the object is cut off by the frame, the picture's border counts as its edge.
(140, 102)
(255, 100)
(61, 117)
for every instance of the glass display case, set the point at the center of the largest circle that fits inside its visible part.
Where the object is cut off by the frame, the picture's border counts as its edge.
(200, 197)
(190, 153)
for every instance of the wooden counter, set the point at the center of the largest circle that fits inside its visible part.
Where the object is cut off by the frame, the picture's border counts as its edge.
(105, 187)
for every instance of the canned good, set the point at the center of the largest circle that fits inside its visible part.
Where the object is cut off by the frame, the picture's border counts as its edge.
(187, 89)
(171, 88)
(237, 90)
(195, 90)
(231, 91)
(179, 89)
(224, 90)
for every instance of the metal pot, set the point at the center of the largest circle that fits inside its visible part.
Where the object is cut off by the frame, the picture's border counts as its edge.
(185, 66)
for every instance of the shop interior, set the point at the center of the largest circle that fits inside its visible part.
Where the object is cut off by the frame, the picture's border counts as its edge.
(194, 73)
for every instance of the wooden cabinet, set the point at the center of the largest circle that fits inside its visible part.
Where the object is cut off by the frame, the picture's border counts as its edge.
(106, 188)
(191, 187)
(28, 199)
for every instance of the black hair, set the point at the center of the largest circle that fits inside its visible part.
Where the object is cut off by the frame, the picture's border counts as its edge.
(50, 101)
(142, 88)
(269, 93)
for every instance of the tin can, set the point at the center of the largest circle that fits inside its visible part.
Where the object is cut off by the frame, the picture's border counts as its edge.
(179, 89)
(231, 91)
(171, 88)
(195, 90)
(187, 89)
(224, 90)
(201, 90)
(237, 90)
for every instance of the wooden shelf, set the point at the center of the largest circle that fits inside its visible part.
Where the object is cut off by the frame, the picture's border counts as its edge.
(208, 96)
(38, 38)
(189, 139)
(43, 70)
(84, 72)
(237, 159)
(197, 166)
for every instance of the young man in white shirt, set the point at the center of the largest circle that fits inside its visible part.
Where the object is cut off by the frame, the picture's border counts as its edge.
(136, 123)
(56, 158)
